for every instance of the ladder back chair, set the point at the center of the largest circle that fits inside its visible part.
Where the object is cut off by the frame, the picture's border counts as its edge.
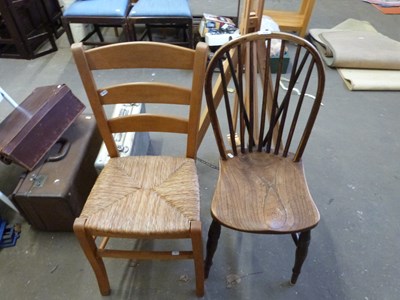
(261, 132)
(143, 197)
(296, 21)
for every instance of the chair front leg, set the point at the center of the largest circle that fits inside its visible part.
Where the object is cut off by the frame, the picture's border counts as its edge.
(301, 253)
(90, 249)
(214, 233)
(197, 246)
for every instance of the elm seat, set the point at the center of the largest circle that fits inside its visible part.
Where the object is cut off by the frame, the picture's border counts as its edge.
(162, 13)
(261, 186)
(100, 13)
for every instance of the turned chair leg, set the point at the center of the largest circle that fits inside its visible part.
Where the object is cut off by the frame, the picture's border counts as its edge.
(302, 243)
(214, 233)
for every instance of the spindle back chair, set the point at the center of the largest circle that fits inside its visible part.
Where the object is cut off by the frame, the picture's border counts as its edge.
(261, 130)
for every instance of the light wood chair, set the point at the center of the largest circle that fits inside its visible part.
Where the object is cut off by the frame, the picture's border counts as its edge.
(261, 131)
(293, 21)
(145, 197)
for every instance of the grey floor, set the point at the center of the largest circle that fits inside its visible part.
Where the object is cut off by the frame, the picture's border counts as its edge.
(353, 173)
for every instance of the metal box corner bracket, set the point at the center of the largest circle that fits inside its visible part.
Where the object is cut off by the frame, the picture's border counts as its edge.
(32, 128)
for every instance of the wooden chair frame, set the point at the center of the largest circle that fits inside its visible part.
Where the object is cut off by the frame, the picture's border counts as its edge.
(175, 15)
(98, 22)
(293, 21)
(140, 55)
(260, 141)
(179, 23)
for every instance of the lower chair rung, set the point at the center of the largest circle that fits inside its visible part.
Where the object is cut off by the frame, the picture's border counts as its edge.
(164, 255)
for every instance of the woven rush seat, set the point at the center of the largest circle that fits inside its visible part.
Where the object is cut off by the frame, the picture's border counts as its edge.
(162, 13)
(96, 12)
(122, 197)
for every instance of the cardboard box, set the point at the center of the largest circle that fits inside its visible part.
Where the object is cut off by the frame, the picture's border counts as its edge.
(216, 23)
(220, 39)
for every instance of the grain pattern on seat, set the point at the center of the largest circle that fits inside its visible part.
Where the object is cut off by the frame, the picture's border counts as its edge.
(271, 195)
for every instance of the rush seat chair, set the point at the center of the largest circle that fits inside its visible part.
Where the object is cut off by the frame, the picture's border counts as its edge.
(143, 197)
(261, 132)
(99, 13)
(162, 14)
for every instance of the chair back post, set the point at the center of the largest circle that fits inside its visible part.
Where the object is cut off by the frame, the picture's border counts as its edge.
(200, 61)
(306, 8)
(94, 98)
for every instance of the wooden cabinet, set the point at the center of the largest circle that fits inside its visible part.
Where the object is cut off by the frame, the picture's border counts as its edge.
(28, 27)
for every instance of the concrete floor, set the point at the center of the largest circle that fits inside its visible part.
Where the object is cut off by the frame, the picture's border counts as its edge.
(353, 173)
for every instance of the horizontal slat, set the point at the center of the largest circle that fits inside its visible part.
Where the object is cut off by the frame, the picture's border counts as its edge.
(172, 255)
(149, 122)
(143, 92)
(114, 56)
(286, 20)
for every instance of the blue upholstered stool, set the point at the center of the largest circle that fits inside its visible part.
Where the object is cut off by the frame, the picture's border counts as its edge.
(100, 13)
(162, 13)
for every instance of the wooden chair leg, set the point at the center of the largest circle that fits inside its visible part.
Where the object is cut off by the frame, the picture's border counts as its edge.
(197, 246)
(214, 233)
(90, 249)
(301, 253)
(97, 29)
(68, 31)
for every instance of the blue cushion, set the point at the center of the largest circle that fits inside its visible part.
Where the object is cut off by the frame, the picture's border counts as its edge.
(168, 8)
(102, 8)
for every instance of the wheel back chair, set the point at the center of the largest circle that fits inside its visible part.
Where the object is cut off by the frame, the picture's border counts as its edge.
(143, 197)
(261, 131)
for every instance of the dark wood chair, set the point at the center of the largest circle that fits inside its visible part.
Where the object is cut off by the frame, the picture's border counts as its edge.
(143, 197)
(154, 14)
(25, 31)
(99, 14)
(261, 131)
